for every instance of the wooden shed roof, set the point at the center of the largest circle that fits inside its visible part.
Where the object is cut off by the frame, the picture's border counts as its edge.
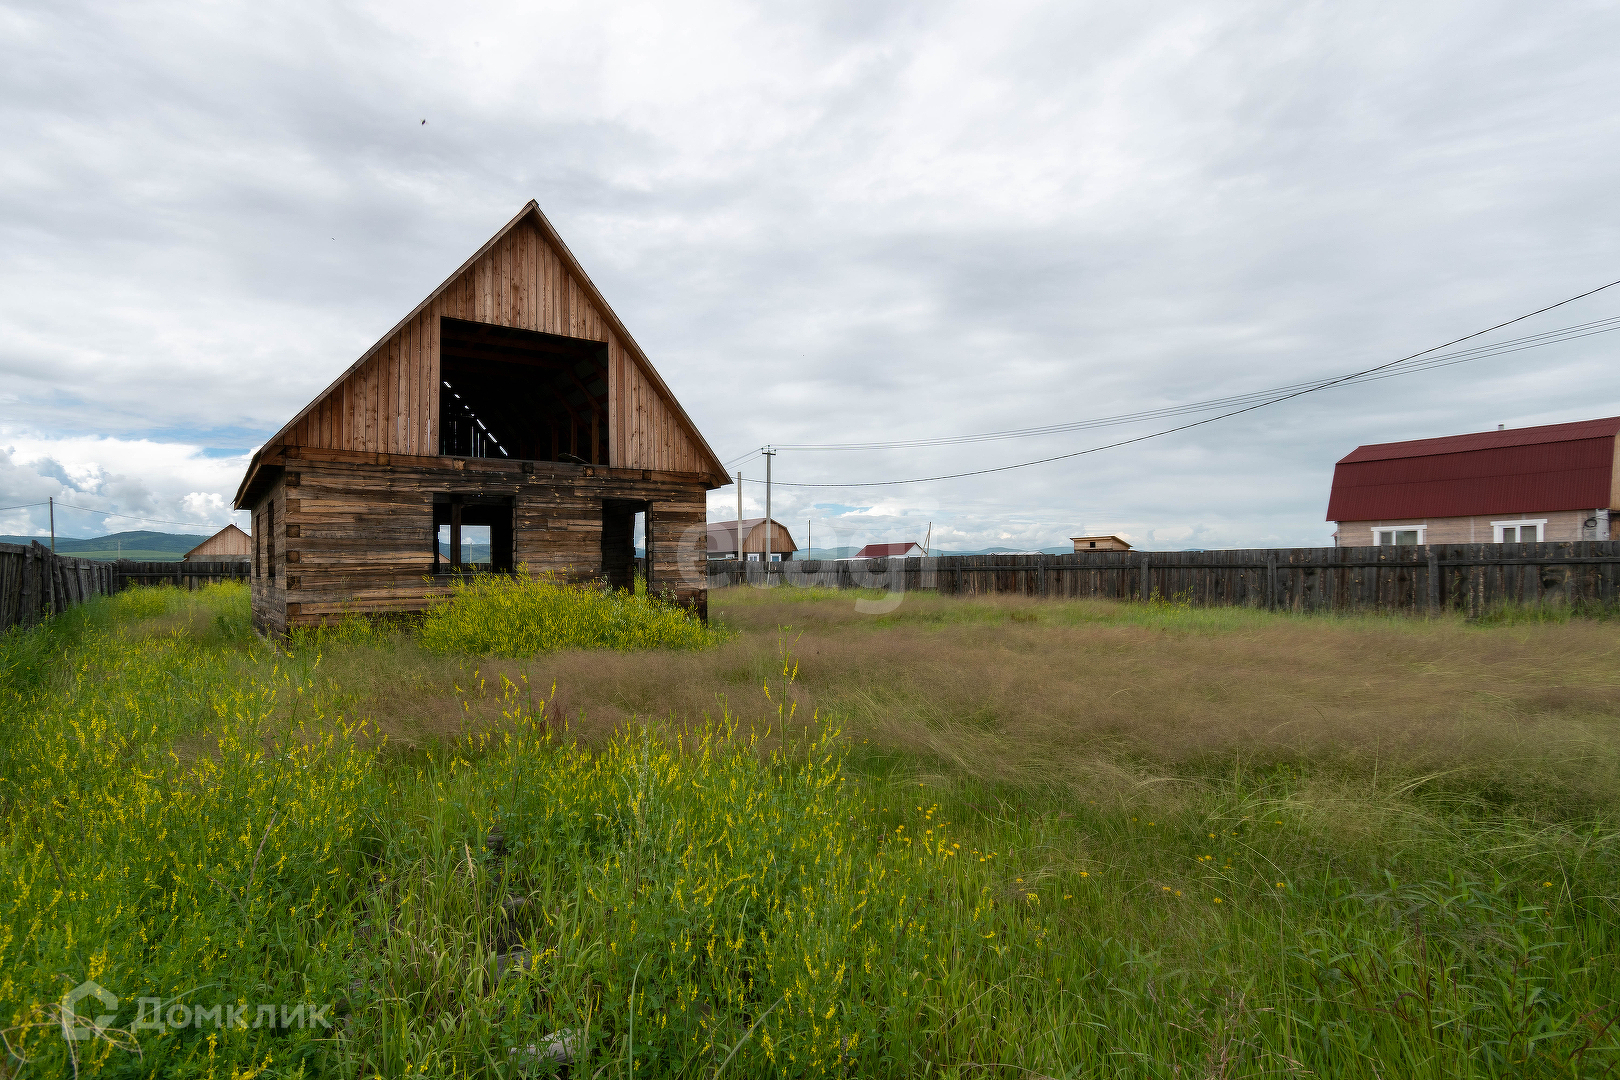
(723, 535)
(709, 464)
(228, 539)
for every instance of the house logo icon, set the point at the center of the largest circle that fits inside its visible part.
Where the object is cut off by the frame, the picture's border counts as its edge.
(72, 1029)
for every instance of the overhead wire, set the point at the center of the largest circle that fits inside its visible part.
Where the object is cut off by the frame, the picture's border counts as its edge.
(1601, 326)
(1281, 394)
(135, 517)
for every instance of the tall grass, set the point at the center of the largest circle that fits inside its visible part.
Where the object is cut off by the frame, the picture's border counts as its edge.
(519, 616)
(195, 816)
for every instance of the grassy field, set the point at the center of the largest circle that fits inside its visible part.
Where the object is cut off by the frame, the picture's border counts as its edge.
(1004, 838)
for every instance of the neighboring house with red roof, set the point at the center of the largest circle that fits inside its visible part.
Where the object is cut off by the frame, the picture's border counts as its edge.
(890, 551)
(1527, 485)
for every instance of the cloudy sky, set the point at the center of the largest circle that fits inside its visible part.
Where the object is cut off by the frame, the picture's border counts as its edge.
(826, 223)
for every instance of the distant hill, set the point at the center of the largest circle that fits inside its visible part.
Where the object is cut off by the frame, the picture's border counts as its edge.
(143, 546)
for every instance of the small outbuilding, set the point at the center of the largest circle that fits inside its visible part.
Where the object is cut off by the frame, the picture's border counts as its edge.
(1099, 543)
(230, 544)
(723, 540)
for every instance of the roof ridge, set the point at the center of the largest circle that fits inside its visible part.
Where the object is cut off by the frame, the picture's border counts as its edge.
(1471, 441)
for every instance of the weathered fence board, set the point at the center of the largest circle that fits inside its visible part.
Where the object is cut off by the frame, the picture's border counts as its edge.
(35, 583)
(184, 575)
(1468, 578)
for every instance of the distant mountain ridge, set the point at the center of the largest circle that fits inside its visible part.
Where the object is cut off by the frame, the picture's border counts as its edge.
(141, 545)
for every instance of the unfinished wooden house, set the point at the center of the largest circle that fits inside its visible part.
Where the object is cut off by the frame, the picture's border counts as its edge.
(509, 420)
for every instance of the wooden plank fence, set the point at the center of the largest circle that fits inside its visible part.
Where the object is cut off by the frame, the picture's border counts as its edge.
(1428, 579)
(184, 575)
(35, 583)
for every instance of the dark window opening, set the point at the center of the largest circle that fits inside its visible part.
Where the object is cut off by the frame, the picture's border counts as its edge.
(623, 525)
(270, 539)
(514, 393)
(471, 533)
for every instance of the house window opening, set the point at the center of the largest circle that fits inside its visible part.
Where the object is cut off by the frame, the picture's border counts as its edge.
(472, 534)
(1398, 537)
(1520, 532)
(509, 393)
(638, 534)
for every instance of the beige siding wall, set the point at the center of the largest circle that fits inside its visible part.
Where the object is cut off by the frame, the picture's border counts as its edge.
(1561, 525)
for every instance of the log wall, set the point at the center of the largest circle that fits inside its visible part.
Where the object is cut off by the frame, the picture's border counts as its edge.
(1468, 578)
(353, 533)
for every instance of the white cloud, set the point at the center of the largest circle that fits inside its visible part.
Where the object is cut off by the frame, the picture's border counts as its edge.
(826, 223)
(135, 484)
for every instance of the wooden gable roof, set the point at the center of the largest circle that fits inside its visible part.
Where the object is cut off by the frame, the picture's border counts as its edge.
(387, 402)
(227, 542)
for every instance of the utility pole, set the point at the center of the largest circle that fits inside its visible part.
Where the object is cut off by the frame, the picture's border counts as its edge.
(808, 536)
(739, 516)
(769, 454)
(53, 523)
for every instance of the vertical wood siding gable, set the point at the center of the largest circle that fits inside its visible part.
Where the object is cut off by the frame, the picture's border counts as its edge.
(390, 403)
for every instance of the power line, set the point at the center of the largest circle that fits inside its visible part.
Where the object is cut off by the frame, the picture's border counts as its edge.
(132, 517)
(23, 506)
(1294, 393)
(1501, 348)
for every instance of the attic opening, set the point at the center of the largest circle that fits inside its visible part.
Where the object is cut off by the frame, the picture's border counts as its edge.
(509, 393)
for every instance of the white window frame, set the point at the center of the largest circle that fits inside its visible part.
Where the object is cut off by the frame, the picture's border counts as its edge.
(1539, 523)
(1420, 529)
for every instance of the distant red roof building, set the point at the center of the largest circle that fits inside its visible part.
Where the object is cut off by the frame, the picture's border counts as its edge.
(890, 551)
(1554, 482)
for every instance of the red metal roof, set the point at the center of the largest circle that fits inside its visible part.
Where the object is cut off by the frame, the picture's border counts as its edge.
(1552, 467)
(883, 551)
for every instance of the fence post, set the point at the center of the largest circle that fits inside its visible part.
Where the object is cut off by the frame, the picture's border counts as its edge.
(1271, 580)
(1042, 565)
(1147, 577)
(1434, 582)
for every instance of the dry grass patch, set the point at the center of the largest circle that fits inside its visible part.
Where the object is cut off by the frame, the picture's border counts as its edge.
(1091, 696)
